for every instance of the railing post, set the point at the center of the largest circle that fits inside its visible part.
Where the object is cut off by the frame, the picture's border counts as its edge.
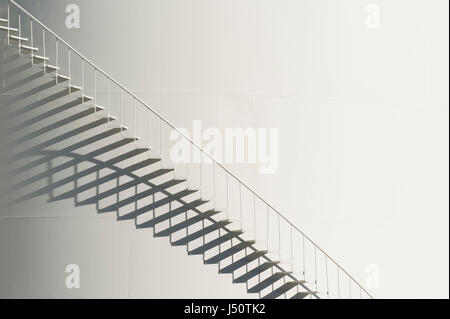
(268, 229)
(9, 23)
(70, 73)
(315, 266)
(121, 110)
(32, 41)
(240, 207)
(339, 287)
(57, 59)
(82, 80)
(228, 197)
(20, 34)
(326, 274)
(45, 51)
(214, 183)
(108, 101)
(304, 258)
(95, 91)
(279, 237)
(254, 216)
(292, 251)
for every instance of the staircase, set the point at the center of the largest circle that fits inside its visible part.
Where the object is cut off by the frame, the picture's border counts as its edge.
(66, 114)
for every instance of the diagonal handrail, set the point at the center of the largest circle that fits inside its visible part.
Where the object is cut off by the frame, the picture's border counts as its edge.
(199, 148)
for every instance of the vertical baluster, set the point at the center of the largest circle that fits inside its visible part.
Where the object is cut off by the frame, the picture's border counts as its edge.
(44, 50)
(326, 274)
(315, 267)
(148, 128)
(95, 91)
(339, 288)
(349, 288)
(160, 140)
(108, 101)
(135, 121)
(267, 233)
(254, 216)
(9, 23)
(32, 42)
(240, 206)
(57, 59)
(304, 258)
(228, 198)
(214, 183)
(20, 35)
(70, 72)
(292, 250)
(82, 80)
(279, 237)
(121, 111)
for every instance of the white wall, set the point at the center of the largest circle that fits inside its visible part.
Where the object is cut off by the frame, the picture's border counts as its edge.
(362, 113)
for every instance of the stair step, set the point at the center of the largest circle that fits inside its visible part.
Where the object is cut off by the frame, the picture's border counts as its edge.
(5, 28)
(156, 204)
(28, 48)
(3, 20)
(115, 190)
(172, 213)
(268, 281)
(302, 294)
(39, 59)
(242, 262)
(255, 271)
(87, 98)
(17, 38)
(229, 252)
(141, 195)
(216, 242)
(186, 223)
(201, 233)
(51, 68)
(62, 78)
(282, 289)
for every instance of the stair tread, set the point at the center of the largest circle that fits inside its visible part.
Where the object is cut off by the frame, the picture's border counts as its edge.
(29, 48)
(17, 38)
(5, 28)
(39, 57)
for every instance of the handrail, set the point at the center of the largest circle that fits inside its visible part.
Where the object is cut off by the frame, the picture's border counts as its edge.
(189, 140)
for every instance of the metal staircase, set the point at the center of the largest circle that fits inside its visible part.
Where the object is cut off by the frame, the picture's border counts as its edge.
(60, 105)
